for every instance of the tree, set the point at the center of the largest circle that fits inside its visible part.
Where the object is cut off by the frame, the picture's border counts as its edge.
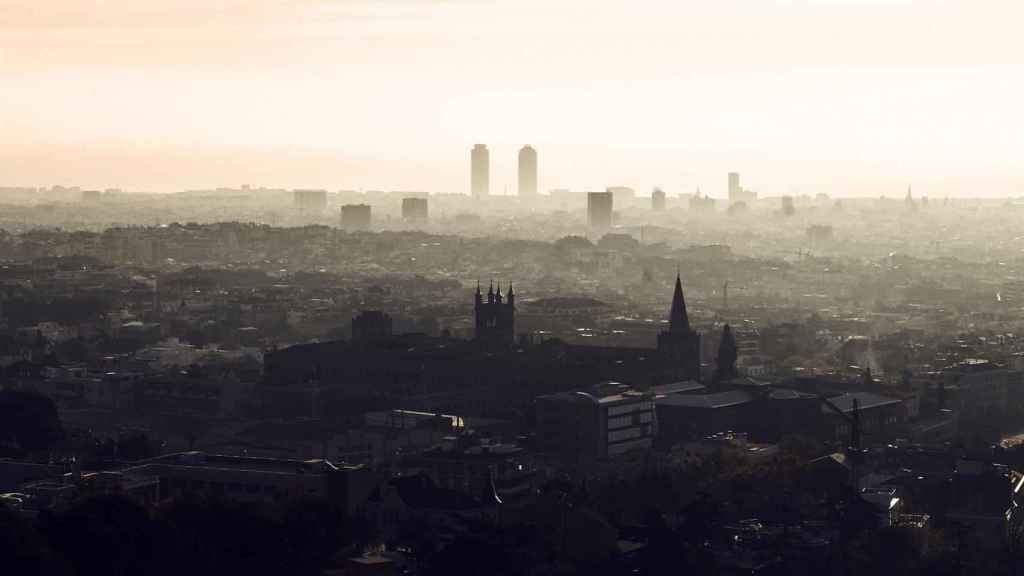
(572, 243)
(29, 420)
(104, 535)
(23, 548)
(727, 354)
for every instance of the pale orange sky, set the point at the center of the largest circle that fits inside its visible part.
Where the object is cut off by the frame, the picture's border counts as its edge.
(840, 96)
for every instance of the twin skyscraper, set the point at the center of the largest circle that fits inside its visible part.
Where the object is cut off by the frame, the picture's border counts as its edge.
(480, 171)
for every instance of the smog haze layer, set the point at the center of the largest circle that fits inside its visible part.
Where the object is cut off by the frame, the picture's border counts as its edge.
(836, 96)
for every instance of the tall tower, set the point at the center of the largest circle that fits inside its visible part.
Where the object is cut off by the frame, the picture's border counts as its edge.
(480, 171)
(679, 346)
(599, 210)
(735, 191)
(527, 172)
(495, 317)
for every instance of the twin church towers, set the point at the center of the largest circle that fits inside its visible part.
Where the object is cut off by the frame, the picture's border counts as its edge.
(480, 171)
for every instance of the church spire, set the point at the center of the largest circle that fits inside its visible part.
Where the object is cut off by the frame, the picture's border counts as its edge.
(678, 321)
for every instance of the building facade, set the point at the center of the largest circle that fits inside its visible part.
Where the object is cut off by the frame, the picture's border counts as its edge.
(415, 209)
(356, 216)
(527, 172)
(679, 346)
(584, 427)
(495, 317)
(480, 171)
(599, 210)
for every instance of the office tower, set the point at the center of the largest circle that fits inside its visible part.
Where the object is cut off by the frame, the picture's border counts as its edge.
(734, 186)
(310, 200)
(658, 200)
(599, 210)
(527, 171)
(480, 171)
(355, 216)
(414, 209)
(737, 193)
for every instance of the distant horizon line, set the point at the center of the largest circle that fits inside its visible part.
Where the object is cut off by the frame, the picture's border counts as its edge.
(547, 194)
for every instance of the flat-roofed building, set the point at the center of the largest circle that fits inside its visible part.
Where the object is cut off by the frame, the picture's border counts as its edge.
(607, 421)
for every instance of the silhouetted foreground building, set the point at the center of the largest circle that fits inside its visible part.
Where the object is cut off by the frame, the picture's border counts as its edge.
(495, 318)
(232, 477)
(371, 325)
(487, 375)
(680, 345)
(581, 427)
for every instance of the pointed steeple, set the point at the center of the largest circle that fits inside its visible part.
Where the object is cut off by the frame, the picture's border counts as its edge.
(490, 293)
(678, 321)
(511, 295)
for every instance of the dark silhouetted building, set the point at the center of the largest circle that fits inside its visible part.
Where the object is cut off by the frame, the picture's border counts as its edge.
(658, 200)
(609, 420)
(680, 345)
(599, 210)
(495, 318)
(371, 325)
(480, 171)
(356, 216)
(414, 209)
(486, 375)
(527, 172)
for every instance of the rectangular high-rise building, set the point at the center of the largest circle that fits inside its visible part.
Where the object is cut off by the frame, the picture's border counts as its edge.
(480, 171)
(527, 171)
(599, 210)
(414, 209)
(734, 186)
(356, 216)
(737, 193)
(658, 200)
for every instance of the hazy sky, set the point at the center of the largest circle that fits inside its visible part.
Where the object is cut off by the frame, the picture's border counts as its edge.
(840, 96)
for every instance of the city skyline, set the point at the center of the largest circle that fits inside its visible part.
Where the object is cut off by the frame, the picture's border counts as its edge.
(291, 95)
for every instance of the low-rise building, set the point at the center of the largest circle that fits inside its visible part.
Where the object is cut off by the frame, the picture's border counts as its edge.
(580, 427)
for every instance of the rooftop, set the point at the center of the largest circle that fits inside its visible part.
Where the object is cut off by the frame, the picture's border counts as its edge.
(865, 401)
(677, 388)
(717, 400)
(242, 463)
